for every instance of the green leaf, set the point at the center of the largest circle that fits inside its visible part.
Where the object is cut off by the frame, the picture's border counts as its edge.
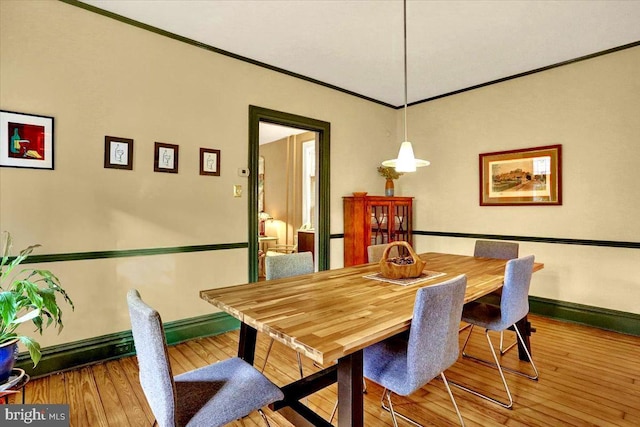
(8, 309)
(34, 349)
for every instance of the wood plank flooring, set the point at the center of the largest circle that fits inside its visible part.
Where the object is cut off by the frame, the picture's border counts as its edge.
(588, 377)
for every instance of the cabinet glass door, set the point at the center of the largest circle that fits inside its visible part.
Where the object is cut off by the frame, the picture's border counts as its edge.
(379, 224)
(401, 223)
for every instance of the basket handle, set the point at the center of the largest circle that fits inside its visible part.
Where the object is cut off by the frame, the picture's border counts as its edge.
(413, 254)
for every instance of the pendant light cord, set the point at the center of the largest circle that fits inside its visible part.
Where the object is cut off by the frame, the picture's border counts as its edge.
(405, 70)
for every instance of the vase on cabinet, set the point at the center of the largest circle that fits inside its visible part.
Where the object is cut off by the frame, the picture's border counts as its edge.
(389, 188)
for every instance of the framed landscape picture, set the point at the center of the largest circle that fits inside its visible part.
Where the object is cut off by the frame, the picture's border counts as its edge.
(165, 158)
(118, 153)
(530, 176)
(26, 140)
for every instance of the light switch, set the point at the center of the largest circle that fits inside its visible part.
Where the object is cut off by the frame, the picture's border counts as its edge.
(243, 172)
(237, 191)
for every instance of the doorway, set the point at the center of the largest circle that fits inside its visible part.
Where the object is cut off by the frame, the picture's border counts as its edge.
(258, 115)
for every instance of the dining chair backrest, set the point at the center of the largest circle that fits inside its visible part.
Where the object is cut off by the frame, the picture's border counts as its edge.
(514, 304)
(374, 252)
(433, 336)
(496, 249)
(156, 377)
(277, 267)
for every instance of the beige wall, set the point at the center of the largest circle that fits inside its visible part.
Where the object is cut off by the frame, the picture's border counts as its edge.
(592, 108)
(100, 77)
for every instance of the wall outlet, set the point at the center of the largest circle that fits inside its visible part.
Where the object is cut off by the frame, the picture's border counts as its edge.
(237, 191)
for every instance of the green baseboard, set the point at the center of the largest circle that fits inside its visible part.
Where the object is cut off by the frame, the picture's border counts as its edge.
(603, 318)
(114, 346)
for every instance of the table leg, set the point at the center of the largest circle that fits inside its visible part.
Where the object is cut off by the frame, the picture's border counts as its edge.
(524, 326)
(247, 343)
(350, 398)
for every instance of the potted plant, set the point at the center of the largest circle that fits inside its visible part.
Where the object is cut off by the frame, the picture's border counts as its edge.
(390, 174)
(25, 295)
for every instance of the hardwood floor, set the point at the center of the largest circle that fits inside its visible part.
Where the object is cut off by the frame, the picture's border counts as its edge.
(588, 377)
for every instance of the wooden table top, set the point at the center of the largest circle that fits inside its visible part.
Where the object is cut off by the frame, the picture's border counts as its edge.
(333, 313)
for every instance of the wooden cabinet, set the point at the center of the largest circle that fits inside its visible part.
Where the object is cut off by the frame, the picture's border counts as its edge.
(306, 241)
(372, 220)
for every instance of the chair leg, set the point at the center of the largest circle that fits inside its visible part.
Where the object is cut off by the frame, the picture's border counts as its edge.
(533, 365)
(395, 415)
(264, 417)
(468, 325)
(504, 368)
(497, 364)
(446, 383)
(503, 350)
(266, 356)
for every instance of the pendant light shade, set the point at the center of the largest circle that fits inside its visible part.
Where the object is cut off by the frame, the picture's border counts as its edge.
(406, 161)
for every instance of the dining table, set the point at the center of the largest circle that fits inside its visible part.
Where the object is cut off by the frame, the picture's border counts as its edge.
(331, 316)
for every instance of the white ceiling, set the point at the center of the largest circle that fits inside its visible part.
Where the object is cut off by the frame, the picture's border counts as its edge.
(270, 132)
(357, 45)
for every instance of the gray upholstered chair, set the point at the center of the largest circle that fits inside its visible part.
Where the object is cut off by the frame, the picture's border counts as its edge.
(277, 267)
(500, 250)
(496, 249)
(207, 396)
(403, 366)
(514, 305)
(374, 252)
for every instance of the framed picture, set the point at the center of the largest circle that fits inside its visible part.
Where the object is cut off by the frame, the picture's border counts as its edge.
(26, 140)
(530, 176)
(118, 153)
(165, 158)
(209, 162)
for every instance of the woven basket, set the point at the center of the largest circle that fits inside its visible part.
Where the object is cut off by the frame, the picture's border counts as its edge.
(397, 271)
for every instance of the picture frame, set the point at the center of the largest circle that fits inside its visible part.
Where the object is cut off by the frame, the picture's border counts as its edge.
(26, 140)
(529, 176)
(209, 162)
(165, 158)
(118, 153)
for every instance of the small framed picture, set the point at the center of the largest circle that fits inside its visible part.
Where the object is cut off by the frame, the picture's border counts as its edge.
(118, 153)
(209, 162)
(165, 158)
(26, 140)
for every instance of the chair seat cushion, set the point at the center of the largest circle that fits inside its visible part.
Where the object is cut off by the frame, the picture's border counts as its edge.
(493, 298)
(238, 389)
(487, 316)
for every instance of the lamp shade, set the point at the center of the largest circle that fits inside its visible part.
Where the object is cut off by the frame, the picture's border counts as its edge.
(406, 161)
(263, 216)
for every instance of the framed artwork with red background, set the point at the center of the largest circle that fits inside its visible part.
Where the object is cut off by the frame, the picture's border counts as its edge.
(26, 140)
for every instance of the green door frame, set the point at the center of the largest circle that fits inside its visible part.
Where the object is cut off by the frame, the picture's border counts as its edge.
(257, 115)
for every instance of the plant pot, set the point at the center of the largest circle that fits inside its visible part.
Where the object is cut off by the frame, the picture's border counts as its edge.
(8, 352)
(389, 188)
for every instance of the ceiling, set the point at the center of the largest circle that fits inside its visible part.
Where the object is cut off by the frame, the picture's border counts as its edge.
(357, 45)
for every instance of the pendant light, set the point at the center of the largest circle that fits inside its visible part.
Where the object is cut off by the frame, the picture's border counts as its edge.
(406, 161)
